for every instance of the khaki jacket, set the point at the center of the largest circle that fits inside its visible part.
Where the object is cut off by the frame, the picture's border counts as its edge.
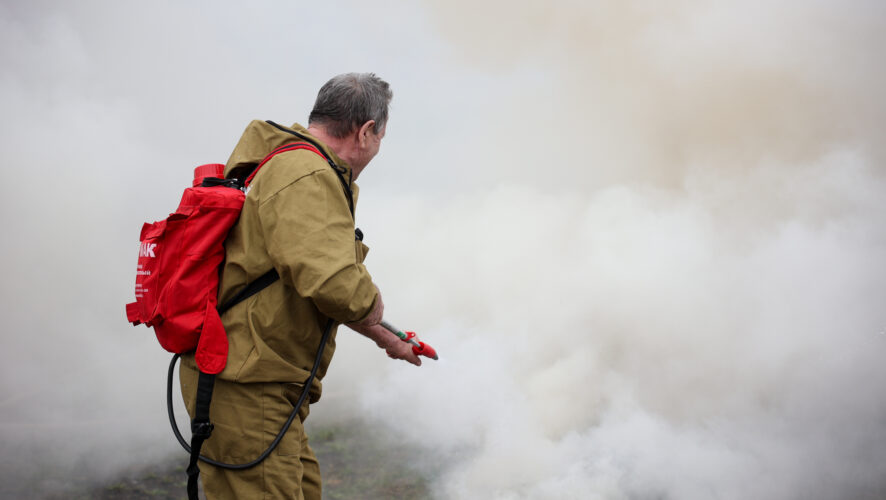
(296, 219)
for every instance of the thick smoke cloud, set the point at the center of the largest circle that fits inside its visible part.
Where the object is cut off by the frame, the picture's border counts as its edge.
(670, 282)
(647, 240)
(633, 348)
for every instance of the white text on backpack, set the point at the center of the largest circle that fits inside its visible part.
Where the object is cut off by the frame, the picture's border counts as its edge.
(146, 249)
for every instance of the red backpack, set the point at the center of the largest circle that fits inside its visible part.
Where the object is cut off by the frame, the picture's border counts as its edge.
(179, 259)
(176, 280)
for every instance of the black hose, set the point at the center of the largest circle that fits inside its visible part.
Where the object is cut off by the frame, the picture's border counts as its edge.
(301, 400)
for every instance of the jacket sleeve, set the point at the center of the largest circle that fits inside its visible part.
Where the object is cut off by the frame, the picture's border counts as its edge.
(309, 233)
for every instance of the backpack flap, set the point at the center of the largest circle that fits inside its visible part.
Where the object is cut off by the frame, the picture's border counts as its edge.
(212, 348)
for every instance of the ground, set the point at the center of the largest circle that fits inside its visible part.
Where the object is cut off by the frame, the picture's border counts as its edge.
(357, 462)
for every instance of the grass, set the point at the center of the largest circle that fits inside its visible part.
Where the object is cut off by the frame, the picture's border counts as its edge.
(357, 461)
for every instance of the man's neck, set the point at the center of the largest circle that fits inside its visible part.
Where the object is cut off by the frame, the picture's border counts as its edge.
(344, 148)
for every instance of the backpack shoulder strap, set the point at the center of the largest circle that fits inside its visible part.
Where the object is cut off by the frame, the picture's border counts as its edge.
(339, 171)
(201, 429)
(249, 290)
(282, 149)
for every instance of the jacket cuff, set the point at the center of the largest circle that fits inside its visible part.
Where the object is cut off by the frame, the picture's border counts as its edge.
(371, 307)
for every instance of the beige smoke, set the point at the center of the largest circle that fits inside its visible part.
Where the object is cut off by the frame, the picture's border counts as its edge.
(642, 91)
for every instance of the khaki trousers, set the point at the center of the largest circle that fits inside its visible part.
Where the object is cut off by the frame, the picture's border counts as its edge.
(247, 418)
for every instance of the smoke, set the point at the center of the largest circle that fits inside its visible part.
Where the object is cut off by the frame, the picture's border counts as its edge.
(624, 345)
(663, 277)
(639, 92)
(631, 345)
(646, 240)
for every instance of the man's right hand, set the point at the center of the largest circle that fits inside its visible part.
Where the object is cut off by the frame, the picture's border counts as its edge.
(396, 348)
(402, 350)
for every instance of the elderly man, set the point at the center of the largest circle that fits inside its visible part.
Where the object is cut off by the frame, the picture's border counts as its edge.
(298, 220)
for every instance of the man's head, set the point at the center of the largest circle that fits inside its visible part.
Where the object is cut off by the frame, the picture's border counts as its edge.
(348, 101)
(351, 113)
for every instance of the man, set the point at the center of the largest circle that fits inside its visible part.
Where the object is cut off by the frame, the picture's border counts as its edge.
(297, 219)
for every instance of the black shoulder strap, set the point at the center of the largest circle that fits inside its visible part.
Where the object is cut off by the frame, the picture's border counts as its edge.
(201, 429)
(249, 290)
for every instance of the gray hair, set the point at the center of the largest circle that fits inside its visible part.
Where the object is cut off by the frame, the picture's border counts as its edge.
(348, 101)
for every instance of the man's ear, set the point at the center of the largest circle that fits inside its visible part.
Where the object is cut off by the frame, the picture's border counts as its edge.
(363, 132)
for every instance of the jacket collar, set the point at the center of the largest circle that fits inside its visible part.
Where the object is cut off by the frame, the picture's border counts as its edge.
(262, 137)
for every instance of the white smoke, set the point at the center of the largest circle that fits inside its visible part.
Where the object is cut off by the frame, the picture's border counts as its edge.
(631, 344)
(634, 345)
(647, 240)
(663, 278)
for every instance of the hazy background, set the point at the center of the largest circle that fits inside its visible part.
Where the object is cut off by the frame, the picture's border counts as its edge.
(646, 238)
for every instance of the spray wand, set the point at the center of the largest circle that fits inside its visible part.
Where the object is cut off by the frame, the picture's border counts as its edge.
(418, 347)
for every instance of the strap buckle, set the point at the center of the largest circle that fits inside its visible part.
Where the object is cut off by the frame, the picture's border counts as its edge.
(201, 429)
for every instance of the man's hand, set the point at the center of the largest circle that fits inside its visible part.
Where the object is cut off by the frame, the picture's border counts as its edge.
(401, 350)
(396, 348)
